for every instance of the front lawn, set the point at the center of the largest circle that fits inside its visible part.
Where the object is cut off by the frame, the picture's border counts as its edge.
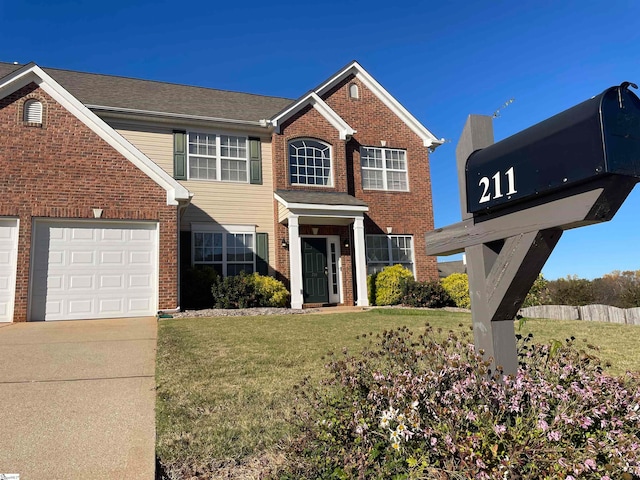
(225, 385)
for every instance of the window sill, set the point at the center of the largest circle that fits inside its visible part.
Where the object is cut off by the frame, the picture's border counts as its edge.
(386, 191)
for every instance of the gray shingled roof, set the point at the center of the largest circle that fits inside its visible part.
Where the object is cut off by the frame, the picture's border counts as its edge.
(131, 93)
(447, 268)
(320, 198)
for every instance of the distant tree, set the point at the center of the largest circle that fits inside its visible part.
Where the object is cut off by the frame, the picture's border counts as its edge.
(571, 290)
(620, 289)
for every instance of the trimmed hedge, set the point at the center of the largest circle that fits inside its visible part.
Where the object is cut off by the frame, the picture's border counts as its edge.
(457, 286)
(391, 284)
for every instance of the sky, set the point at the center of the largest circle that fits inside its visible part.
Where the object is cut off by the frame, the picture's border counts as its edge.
(441, 60)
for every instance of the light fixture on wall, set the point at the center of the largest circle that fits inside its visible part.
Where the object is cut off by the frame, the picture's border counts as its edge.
(97, 212)
(389, 230)
(346, 243)
(284, 243)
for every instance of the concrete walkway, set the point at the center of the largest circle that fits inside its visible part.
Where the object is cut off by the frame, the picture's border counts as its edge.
(77, 399)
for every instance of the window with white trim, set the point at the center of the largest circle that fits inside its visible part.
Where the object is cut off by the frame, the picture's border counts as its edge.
(214, 156)
(229, 252)
(384, 169)
(32, 111)
(386, 250)
(309, 163)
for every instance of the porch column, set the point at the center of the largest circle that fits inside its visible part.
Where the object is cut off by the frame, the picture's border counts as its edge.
(360, 262)
(295, 262)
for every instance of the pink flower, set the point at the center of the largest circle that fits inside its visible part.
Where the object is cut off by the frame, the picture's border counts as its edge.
(499, 429)
(543, 425)
(590, 464)
(554, 435)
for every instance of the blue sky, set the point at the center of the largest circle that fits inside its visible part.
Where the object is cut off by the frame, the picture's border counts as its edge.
(441, 60)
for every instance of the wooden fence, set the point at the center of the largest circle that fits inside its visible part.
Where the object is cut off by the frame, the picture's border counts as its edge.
(591, 313)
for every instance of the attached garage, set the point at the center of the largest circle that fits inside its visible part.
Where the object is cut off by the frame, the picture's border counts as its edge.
(8, 264)
(83, 269)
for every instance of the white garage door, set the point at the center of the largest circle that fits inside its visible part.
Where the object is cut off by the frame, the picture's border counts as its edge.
(8, 257)
(87, 269)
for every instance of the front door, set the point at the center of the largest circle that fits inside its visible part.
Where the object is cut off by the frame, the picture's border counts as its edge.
(314, 270)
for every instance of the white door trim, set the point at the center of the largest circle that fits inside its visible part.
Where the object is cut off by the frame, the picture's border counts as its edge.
(14, 224)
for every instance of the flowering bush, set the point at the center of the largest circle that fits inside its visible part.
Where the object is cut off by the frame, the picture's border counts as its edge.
(423, 408)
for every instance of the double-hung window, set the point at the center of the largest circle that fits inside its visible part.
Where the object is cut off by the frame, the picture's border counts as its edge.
(229, 250)
(386, 250)
(214, 156)
(309, 163)
(384, 169)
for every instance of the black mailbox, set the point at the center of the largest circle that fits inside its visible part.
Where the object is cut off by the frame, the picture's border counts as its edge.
(600, 136)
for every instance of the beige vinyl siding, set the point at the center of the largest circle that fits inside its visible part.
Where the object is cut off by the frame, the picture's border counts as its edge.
(283, 212)
(155, 143)
(218, 202)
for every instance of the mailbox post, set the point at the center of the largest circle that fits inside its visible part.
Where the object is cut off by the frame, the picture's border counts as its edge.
(519, 195)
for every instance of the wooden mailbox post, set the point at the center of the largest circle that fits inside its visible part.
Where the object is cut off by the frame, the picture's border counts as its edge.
(517, 196)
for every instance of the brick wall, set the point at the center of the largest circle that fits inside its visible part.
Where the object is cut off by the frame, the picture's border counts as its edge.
(62, 169)
(405, 212)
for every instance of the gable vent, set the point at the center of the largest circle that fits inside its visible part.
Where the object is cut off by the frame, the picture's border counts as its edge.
(33, 111)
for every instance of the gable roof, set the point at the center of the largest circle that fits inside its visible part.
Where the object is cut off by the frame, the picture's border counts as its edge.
(31, 73)
(122, 94)
(314, 99)
(322, 107)
(130, 95)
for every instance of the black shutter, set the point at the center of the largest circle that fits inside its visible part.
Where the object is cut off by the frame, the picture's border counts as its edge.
(179, 155)
(255, 161)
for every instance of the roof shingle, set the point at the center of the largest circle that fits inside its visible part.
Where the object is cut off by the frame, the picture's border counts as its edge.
(169, 98)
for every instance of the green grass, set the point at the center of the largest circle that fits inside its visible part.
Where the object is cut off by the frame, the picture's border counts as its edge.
(225, 384)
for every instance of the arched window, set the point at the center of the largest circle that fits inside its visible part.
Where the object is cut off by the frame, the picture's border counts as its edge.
(33, 111)
(353, 91)
(309, 163)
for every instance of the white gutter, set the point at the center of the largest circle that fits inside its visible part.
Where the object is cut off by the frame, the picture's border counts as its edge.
(253, 123)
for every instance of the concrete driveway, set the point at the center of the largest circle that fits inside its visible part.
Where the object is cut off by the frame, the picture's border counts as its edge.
(77, 399)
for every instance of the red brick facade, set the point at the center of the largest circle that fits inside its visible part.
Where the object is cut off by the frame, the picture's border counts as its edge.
(409, 213)
(62, 169)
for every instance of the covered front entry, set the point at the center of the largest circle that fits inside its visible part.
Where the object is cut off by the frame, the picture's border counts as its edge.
(315, 269)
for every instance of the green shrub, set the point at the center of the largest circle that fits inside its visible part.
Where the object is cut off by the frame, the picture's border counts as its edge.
(271, 292)
(249, 290)
(238, 291)
(571, 291)
(424, 407)
(538, 294)
(426, 294)
(391, 285)
(196, 288)
(371, 288)
(457, 286)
